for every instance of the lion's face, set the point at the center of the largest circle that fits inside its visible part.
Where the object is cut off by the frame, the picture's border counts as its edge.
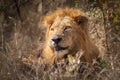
(66, 32)
(61, 35)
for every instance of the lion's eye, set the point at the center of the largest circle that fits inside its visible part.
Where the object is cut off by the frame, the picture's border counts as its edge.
(67, 28)
(52, 29)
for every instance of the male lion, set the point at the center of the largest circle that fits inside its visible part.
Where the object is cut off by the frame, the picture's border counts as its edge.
(67, 33)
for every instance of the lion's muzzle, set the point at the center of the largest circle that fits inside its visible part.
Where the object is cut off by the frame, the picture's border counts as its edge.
(55, 43)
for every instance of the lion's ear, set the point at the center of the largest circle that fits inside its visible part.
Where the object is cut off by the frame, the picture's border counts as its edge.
(47, 21)
(81, 20)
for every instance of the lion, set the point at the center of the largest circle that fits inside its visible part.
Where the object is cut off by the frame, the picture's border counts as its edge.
(67, 33)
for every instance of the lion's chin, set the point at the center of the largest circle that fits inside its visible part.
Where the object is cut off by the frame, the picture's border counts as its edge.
(59, 48)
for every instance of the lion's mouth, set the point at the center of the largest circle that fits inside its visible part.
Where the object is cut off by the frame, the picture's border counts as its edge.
(59, 48)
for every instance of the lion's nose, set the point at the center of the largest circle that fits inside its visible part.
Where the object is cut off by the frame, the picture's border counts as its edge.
(57, 40)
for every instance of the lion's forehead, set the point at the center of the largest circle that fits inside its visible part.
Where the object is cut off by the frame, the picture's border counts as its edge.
(62, 21)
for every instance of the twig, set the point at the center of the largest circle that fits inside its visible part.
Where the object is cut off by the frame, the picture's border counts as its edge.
(104, 19)
(17, 3)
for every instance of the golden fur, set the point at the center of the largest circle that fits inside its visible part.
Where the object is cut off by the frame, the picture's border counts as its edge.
(71, 25)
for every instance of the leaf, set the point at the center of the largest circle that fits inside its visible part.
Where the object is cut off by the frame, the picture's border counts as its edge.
(103, 64)
(115, 19)
(71, 59)
(119, 28)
